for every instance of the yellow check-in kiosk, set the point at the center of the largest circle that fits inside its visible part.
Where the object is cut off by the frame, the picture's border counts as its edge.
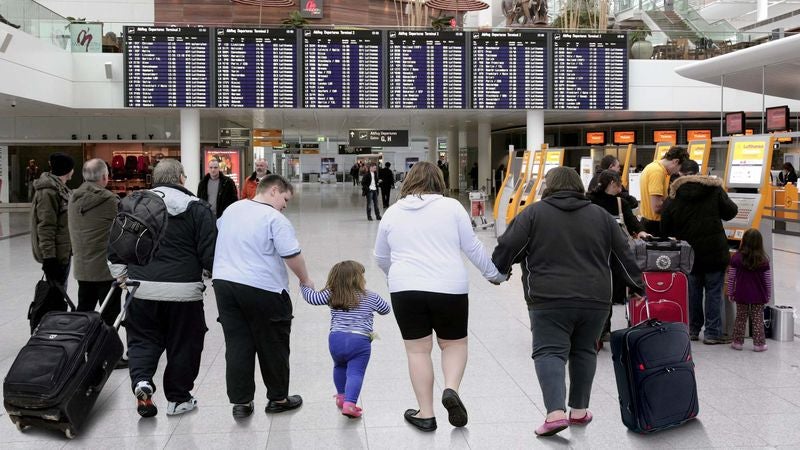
(626, 165)
(553, 158)
(699, 151)
(507, 187)
(661, 149)
(747, 181)
(529, 176)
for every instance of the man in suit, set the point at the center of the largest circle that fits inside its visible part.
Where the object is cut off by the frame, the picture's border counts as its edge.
(369, 189)
(386, 176)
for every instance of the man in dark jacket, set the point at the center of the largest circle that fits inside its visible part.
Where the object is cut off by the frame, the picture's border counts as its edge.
(167, 313)
(49, 225)
(386, 177)
(92, 209)
(369, 188)
(217, 189)
(695, 212)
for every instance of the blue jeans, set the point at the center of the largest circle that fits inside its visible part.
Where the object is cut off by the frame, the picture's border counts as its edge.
(372, 200)
(711, 282)
(350, 353)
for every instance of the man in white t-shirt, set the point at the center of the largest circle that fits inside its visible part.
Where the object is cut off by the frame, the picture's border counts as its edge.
(255, 243)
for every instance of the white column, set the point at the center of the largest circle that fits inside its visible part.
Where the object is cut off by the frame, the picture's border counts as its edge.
(762, 11)
(433, 150)
(534, 122)
(190, 147)
(485, 156)
(452, 157)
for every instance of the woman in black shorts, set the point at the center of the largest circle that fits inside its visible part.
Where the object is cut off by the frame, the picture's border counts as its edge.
(419, 245)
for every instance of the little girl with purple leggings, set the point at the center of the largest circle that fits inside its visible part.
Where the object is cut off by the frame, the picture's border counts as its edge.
(352, 308)
(750, 286)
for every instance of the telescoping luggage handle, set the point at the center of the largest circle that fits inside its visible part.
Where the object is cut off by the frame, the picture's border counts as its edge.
(134, 286)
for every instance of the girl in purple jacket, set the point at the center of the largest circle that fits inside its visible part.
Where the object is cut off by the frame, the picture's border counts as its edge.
(750, 285)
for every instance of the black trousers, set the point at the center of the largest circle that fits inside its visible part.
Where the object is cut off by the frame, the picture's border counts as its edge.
(372, 200)
(92, 293)
(385, 192)
(177, 327)
(255, 322)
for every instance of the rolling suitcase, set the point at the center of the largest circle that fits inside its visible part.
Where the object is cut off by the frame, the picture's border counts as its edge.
(666, 299)
(58, 375)
(655, 375)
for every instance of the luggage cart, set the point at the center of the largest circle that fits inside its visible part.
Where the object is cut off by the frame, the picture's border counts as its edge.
(477, 208)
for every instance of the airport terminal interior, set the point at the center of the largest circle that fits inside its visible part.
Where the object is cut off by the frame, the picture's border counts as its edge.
(315, 88)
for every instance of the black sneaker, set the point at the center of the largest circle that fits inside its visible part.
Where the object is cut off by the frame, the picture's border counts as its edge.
(694, 337)
(292, 402)
(144, 401)
(241, 411)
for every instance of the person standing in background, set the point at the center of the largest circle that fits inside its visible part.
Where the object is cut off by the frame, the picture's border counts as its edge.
(369, 189)
(386, 183)
(217, 189)
(473, 174)
(250, 185)
(32, 174)
(499, 175)
(49, 224)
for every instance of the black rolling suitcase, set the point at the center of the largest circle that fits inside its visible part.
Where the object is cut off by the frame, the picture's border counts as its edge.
(655, 375)
(58, 375)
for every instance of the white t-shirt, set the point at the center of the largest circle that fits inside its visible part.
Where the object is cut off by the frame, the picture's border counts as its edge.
(252, 240)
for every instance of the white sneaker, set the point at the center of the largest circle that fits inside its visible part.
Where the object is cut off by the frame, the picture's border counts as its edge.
(174, 408)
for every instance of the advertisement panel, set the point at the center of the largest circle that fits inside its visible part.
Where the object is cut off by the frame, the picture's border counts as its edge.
(230, 163)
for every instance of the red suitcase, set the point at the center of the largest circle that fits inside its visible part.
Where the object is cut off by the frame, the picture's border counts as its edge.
(666, 299)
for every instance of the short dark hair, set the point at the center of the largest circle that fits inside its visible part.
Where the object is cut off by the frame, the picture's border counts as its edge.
(678, 153)
(387, 165)
(562, 179)
(607, 177)
(274, 180)
(689, 167)
(607, 161)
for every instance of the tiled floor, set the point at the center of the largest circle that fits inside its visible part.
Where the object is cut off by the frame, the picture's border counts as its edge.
(747, 399)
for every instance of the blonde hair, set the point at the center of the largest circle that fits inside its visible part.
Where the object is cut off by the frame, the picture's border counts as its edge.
(347, 284)
(423, 178)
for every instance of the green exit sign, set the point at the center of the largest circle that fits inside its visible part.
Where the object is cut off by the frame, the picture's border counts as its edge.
(320, 138)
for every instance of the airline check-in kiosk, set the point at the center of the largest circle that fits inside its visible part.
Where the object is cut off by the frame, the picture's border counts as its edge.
(661, 149)
(747, 181)
(517, 167)
(529, 179)
(700, 151)
(553, 158)
(626, 165)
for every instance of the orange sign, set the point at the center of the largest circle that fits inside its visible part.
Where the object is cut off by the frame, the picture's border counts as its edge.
(697, 135)
(624, 137)
(670, 136)
(596, 138)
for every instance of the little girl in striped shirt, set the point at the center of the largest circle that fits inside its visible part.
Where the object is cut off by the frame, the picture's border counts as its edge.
(350, 339)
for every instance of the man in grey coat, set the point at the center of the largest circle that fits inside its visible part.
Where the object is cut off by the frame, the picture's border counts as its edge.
(91, 210)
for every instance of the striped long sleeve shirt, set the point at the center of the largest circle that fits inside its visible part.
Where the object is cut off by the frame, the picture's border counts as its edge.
(358, 319)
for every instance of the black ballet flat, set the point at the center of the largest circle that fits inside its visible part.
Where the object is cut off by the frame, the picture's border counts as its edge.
(420, 424)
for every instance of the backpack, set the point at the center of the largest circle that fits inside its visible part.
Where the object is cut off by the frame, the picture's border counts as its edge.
(138, 227)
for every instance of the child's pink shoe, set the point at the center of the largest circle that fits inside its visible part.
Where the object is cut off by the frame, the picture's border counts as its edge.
(736, 346)
(339, 400)
(760, 348)
(350, 410)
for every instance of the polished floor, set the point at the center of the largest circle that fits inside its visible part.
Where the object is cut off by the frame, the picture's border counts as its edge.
(747, 399)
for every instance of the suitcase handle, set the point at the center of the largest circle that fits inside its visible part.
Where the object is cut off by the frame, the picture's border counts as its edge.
(134, 285)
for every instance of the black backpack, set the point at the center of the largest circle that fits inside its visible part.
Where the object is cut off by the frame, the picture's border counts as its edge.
(138, 227)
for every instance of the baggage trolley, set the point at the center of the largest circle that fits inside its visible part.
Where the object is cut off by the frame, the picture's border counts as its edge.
(477, 209)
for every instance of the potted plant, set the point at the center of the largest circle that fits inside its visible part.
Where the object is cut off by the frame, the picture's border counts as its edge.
(295, 20)
(641, 48)
(442, 23)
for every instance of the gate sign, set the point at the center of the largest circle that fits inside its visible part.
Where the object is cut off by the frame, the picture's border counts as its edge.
(378, 138)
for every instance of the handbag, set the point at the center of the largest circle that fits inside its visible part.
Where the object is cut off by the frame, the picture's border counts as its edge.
(48, 296)
(664, 255)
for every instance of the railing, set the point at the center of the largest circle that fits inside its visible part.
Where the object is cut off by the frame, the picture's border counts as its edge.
(36, 20)
(690, 47)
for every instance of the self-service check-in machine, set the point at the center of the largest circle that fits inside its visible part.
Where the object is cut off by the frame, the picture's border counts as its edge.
(553, 158)
(661, 149)
(515, 178)
(530, 175)
(699, 151)
(626, 165)
(747, 181)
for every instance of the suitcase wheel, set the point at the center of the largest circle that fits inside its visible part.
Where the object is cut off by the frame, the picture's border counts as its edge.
(69, 433)
(21, 426)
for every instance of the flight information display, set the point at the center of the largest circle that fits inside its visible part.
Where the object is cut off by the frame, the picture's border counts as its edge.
(590, 71)
(427, 69)
(167, 67)
(342, 69)
(509, 70)
(256, 68)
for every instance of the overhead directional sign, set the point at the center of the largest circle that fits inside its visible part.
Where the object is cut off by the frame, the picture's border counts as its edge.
(378, 138)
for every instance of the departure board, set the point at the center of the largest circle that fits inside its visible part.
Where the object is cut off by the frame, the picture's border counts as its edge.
(167, 67)
(342, 69)
(256, 68)
(427, 69)
(509, 70)
(590, 71)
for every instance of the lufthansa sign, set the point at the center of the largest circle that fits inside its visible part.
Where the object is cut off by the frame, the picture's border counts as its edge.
(378, 138)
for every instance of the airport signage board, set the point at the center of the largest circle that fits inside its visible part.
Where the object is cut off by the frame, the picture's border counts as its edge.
(624, 137)
(697, 135)
(379, 138)
(596, 138)
(670, 136)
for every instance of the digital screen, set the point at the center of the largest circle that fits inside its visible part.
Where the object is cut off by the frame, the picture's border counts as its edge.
(342, 69)
(695, 135)
(427, 69)
(255, 68)
(734, 123)
(778, 118)
(624, 137)
(167, 67)
(746, 165)
(596, 138)
(509, 70)
(590, 71)
(665, 136)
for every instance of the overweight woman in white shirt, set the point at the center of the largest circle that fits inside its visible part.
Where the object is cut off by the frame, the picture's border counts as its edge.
(419, 246)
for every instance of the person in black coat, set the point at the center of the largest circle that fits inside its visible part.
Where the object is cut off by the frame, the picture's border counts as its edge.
(611, 162)
(386, 177)
(499, 174)
(697, 207)
(369, 188)
(226, 192)
(787, 175)
(473, 175)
